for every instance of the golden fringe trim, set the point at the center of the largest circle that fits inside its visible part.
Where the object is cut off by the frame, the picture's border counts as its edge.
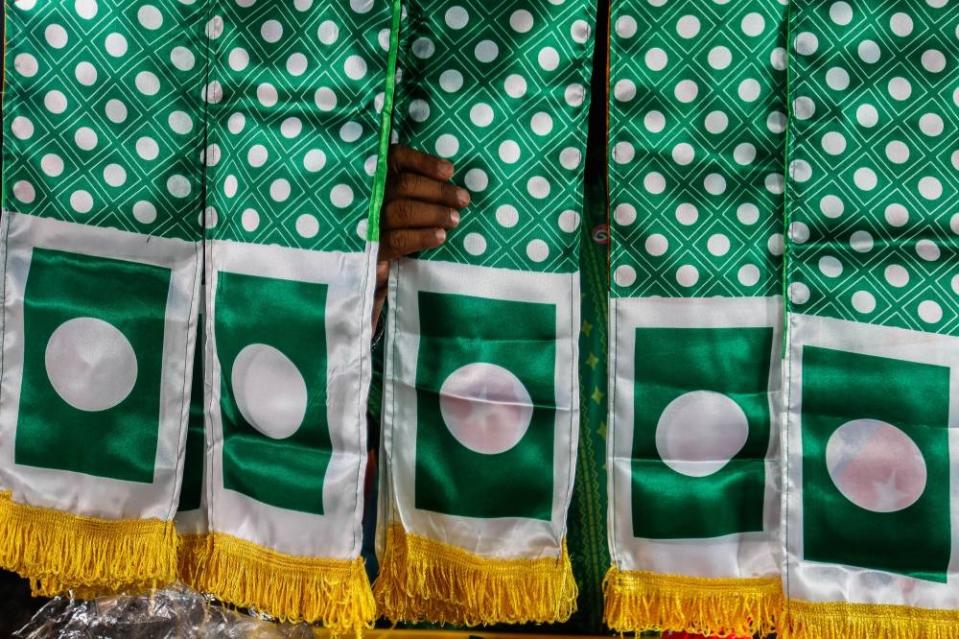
(59, 551)
(194, 552)
(290, 588)
(807, 620)
(639, 600)
(425, 580)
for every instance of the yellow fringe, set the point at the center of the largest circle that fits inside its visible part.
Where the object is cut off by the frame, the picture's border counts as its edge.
(194, 553)
(59, 551)
(807, 620)
(638, 601)
(425, 580)
(290, 588)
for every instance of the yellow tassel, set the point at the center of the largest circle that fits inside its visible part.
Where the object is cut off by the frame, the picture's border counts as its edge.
(334, 592)
(638, 601)
(807, 620)
(194, 553)
(425, 580)
(58, 551)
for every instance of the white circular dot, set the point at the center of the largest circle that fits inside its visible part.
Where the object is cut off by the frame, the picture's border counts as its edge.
(81, 201)
(744, 153)
(715, 184)
(297, 64)
(85, 138)
(86, 9)
(328, 32)
(798, 293)
(928, 250)
(896, 275)
(150, 17)
(51, 164)
(521, 21)
(624, 90)
(178, 186)
(116, 111)
(257, 155)
(896, 215)
(269, 390)
(537, 250)
(538, 187)
(24, 191)
(623, 152)
(26, 65)
(325, 99)
(748, 275)
(933, 61)
(515, 85)
(624, 275)
(341, 196)
(840, 13)
(776, 122)
(147, 83)
(656, 244)
(654, 182)
(806, 43)
(833, 143)
(867, 115)
(931, 124)
(447, 145)
(574, 94)
(568, 221)
(180, 122)
(719, 57)
(700, 432)
(147, 148)
(901, 24)
(184, 60)
(930, 188)
(507, 216)
(624, 214)
(474, 244)
(456, 17)
(656, 59)
(267, 94)
(569, 158)
(90, 364)
(654, 121)
(837, 78)
(235, 123)
(541, 123)
(861, 241)
(307, 226)
(486, 51)
(280, 190)
(548, 58)
(144, 212)
(747, 214)
(271, 31)
(716, 122)
(799, 232)
(86, 74)
(800, 170)
(355, 67)
(863, 301)
(930, 312)
(509, 151)
(753, 24)
(486, 408)
(686, 91)
(749, 90)
(477, 180)
(291, 127)
(683, 154)
(423, 48)
(718, 244)
(114, 175)
(830, 266)
(626, 26)
(351, 131)
(865, 178)
(777, 59)
(687, 275)
(897, 152)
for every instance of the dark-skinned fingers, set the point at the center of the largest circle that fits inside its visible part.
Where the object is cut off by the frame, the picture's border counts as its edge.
(407, 214)
(396, 244)
(417, 187)
(403, 159)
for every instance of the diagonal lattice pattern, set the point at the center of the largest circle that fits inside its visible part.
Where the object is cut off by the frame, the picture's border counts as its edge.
(696, 134)
(103, 113)
(500, 89)
(874, 162)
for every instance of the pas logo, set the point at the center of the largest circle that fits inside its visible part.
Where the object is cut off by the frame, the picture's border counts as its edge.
(92, 365)
(875, 443)
(701, 431)
(486, 407)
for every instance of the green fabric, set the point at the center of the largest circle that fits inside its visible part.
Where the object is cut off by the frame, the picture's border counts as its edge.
(458, 330)
(276, 467)
(103, 110)
(500, 89)
(728, 365)
(112, 433)
(835, 529)
(873, 155)
(697, 122)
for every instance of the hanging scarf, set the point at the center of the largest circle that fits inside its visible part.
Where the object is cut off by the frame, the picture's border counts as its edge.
(695, 315)
(481, 399)
(108, 171)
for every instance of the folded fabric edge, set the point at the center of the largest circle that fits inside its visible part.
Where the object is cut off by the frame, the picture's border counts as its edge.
(333, 592)
(59, 551)
(422, 579)
(841, 620)
(638, 600)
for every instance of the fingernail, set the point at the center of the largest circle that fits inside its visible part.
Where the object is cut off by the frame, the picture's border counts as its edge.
(446, 167)
(455, 217)
(440, 235)
(462, 196)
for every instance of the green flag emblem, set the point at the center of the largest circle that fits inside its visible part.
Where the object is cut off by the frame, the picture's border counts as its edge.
(92, 363)
(271, 343)
(486, 407)
(701, 431)
(875, 463)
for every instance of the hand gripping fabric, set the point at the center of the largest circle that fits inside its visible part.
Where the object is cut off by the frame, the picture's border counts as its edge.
(481, 397)
(696, 131)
